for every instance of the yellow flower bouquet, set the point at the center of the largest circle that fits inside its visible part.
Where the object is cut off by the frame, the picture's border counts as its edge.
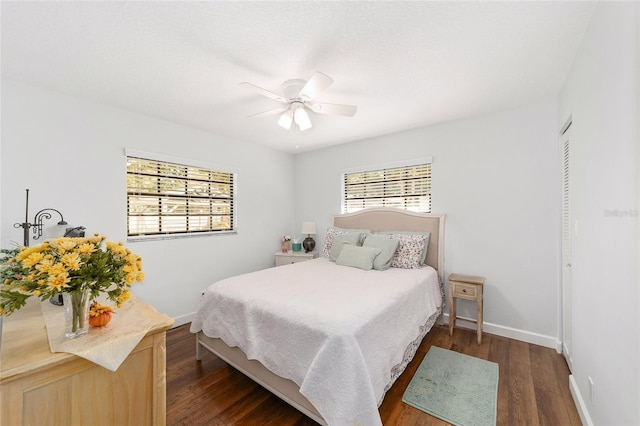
(73, 266)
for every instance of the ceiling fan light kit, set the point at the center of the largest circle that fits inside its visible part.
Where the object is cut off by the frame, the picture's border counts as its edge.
(300, 116)
(297, 98)
(286, 119)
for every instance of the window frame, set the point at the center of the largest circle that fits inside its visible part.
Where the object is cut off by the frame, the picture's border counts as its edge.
(382, 167)
(183, 162)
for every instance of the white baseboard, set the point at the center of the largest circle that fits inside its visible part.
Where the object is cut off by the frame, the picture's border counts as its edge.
(183, 319)
(512, 333)
(559, 346)
(579, 401)
(567, 356)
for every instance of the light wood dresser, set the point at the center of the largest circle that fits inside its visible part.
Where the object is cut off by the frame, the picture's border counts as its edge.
(38, 387)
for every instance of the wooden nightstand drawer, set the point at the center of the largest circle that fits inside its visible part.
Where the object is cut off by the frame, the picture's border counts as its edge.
(465, 291)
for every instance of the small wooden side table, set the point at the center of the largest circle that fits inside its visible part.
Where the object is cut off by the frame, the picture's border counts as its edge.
(468, 287)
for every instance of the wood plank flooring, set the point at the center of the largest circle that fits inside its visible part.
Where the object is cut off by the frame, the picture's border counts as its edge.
(533, 388)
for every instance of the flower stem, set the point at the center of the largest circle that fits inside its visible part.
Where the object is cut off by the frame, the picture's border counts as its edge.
(78, 300)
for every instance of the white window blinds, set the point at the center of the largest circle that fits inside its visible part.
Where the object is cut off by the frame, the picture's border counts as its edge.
(166, 198)
(400, 187)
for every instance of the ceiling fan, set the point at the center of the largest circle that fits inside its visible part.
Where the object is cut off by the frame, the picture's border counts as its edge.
(297, 99)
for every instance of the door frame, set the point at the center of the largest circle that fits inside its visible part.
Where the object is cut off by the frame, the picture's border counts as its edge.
(566, 245)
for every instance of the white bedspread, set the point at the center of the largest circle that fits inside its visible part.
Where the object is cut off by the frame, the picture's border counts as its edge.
(334, 330)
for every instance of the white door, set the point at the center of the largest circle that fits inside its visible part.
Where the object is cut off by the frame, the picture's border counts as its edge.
(567, 237)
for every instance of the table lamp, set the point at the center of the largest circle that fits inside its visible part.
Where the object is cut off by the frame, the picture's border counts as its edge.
(308, 228)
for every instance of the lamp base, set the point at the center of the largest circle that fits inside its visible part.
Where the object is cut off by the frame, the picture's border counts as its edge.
(309, 244)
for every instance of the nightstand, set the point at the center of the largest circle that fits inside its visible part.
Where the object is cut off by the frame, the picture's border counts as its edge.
(467, 287)
(294, 257)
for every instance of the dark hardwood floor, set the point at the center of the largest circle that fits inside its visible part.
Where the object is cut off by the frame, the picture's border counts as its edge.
(533, 387)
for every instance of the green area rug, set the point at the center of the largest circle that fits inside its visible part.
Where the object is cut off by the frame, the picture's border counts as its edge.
(457, 388)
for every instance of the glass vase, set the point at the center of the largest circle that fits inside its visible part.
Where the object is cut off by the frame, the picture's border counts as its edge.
(76, 313)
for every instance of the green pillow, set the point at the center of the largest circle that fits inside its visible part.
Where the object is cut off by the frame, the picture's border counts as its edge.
(358, 257)
(339, 241)
(382, 262)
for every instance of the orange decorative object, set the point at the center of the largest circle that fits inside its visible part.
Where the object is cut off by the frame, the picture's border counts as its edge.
(99, 315)
(100, 319)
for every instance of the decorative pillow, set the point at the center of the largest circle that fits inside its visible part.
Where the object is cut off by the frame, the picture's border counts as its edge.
(357, 257)
(423, 255)
(382, 262)
(332, 231)
(409, 251)
(339, 241)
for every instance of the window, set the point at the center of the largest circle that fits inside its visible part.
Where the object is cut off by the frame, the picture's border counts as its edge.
(406, 187)
(165, 198)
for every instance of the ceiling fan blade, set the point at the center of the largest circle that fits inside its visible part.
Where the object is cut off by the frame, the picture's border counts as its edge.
(336, 109)
(264, 92)
(315, 85)
(268, 113)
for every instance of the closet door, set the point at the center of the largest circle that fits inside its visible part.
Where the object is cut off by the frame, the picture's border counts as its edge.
(567, 237)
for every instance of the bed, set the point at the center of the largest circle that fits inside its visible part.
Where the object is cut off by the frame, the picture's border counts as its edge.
(325, 335)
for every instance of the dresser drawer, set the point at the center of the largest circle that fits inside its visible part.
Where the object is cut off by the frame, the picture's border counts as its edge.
(465, 291)
(285, 260)
(294, 257)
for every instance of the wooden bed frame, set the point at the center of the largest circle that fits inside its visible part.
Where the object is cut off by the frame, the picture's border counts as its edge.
(378, 219)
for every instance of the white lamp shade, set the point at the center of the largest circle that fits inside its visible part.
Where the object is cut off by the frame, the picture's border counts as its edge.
(55, 231)
(301, 118)
(308, 228)
(285, 119)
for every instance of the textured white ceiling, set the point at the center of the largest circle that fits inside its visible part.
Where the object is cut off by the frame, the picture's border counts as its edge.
(404, 64)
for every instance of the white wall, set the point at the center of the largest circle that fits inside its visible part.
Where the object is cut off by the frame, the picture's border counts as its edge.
(69, 153)
(496, 178)
(601, 96)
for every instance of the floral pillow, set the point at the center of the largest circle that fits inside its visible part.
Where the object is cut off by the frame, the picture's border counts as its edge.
(423, 256)
(334, 231)
(409, 251)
